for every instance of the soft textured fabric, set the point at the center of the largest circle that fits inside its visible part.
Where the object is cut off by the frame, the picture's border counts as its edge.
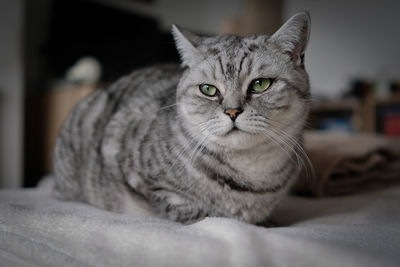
(361, 230)
(349, 163)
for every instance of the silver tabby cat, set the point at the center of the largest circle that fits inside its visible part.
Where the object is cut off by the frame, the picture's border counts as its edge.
(220, 135)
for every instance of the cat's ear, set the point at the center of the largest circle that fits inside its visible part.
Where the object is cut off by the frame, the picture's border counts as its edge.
(186, 43)
(293, 36)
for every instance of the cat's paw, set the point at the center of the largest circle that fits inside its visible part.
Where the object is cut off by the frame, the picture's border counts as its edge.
(176, 207)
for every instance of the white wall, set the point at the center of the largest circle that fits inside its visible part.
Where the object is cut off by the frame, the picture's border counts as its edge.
(11, 92)
(349, 39)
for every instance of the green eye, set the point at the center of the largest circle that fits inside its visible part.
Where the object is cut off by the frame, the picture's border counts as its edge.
(208, 90)
(260, 85)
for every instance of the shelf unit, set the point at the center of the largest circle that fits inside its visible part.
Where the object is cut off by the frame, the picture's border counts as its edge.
(370, 114)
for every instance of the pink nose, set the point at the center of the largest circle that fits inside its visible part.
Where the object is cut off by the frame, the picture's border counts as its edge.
(233, 113)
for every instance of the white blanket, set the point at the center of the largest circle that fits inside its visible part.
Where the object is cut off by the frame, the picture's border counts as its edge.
(362, 230)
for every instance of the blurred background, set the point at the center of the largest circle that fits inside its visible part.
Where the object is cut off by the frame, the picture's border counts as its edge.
(54, 52)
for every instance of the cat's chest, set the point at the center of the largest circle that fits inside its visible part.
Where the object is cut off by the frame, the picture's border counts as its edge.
(250, 182)
(256, 163)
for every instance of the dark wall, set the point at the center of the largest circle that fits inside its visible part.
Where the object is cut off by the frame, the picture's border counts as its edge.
(120, 40)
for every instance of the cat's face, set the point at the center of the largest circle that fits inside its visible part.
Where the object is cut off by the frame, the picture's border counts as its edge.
(238, 92)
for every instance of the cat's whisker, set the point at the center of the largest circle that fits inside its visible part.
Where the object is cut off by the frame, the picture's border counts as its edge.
(281, 144)
(292, 147)
(275, 123)
(306, 123)
(306, 165)
(197, 149)
(180, 154)
(281, 131)
(198, 125)
(268, 120)
(203, 143)
(168, 106)
(211, 129)
(202, 127)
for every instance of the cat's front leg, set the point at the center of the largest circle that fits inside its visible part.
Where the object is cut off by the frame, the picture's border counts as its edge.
(176, 207)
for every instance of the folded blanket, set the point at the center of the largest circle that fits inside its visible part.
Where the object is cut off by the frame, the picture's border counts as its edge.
(349, 163)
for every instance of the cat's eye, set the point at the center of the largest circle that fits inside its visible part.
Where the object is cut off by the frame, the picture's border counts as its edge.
(260, 85)
(208, 90)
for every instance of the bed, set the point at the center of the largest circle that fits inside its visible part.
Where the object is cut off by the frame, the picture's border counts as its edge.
(357, 229)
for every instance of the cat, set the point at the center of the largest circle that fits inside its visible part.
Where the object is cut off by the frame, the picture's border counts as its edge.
(219, 135)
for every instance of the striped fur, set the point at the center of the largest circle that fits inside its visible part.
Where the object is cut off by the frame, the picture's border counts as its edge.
(154, 137)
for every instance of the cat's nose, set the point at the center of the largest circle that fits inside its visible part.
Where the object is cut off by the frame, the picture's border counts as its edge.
(233, 112)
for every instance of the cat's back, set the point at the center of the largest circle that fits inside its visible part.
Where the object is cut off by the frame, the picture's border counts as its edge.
(135, 97)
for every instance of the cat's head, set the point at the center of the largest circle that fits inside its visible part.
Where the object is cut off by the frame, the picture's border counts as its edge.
(238, 92)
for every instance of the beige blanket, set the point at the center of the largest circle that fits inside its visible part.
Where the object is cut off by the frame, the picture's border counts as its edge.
(349, 163)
